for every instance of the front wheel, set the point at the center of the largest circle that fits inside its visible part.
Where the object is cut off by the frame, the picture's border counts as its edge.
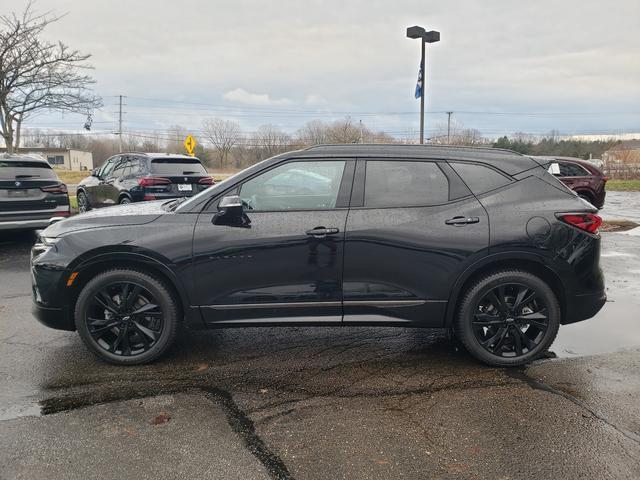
(126, 317)
(125, 200)
(83, 202)
(508, 318)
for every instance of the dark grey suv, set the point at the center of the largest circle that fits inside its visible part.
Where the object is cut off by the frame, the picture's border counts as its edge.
(30, 193)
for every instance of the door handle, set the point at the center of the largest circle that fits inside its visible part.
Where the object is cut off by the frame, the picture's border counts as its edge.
(459, 221)
(320, 232)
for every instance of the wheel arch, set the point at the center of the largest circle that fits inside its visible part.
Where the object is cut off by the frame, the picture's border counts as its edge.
(528, 262)
(88, 268)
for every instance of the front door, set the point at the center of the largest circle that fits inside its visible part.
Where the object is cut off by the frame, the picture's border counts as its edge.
(285, 263)
(413, 227)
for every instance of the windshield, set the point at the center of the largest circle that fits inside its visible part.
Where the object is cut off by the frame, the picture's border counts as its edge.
(177, 166)
(10, 170)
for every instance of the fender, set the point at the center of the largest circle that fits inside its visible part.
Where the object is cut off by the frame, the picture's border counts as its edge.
(495, 258)
(91, 258)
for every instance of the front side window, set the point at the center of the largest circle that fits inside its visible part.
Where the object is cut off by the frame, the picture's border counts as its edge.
(295, 186)
(107, 167)
(404, 184)
(118, 171)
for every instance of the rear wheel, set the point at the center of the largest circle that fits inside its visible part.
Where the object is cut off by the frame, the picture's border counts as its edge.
(125, 200)
(508, 318)
(83, 202)
(126, 317)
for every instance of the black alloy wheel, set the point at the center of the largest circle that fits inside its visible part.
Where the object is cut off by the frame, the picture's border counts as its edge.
(508, 318)
(126, 317)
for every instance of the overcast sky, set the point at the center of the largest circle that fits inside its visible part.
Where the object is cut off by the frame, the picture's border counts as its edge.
(571, 65)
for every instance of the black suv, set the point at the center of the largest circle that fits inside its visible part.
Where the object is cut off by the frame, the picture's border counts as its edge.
(482, 241)
(133, 177)
(30, 193)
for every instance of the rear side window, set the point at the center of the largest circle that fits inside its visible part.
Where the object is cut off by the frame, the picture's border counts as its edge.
(404, 184)
(479, 178)
(572, 170)
(11, 170)
(177, 166)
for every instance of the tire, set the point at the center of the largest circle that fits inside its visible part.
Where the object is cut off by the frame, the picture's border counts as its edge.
(100, 327)
(124, 200)
(83, 202)
(507, 333)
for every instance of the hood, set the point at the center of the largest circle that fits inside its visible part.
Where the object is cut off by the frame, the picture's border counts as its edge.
(121, 215)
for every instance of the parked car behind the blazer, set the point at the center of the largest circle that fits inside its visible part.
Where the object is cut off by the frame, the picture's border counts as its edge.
(483, 242)
(581, 176)
(134, 177)
(30, 193)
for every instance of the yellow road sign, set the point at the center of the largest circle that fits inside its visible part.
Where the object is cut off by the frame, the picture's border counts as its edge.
(190, 145)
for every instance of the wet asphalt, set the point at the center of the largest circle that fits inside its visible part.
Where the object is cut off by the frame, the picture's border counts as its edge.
(322, 402)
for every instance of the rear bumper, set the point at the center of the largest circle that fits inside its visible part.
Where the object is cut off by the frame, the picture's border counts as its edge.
(24, 224)
(582, 307)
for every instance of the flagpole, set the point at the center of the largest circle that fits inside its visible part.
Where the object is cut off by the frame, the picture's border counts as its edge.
(423, 66)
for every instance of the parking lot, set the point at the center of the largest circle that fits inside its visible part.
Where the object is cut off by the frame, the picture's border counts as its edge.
(322, 402)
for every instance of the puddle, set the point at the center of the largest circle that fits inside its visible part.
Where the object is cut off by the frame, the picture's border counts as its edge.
(615, 327)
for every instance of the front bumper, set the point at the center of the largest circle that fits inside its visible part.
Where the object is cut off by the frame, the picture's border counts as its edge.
(53, 317)
(584, 306)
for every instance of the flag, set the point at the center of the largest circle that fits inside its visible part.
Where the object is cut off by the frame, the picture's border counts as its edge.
(419, 84)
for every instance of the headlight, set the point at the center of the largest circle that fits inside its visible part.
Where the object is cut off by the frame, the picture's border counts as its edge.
(49, 241)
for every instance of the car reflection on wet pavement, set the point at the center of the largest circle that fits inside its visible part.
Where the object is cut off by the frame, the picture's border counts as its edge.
(322, 402)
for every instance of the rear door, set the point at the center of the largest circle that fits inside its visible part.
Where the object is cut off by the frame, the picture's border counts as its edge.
(285, 264)
(412, 228)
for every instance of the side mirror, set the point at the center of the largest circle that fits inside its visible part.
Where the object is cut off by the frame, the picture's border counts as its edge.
(231, 212)
(94, 172)
(554, 169)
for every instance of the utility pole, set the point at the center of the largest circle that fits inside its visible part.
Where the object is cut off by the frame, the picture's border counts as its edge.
(425, 37)
(120, 123)
(449, 128)
(361, 138)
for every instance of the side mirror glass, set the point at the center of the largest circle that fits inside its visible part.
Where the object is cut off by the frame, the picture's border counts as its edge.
(231, 212)
(554, 169)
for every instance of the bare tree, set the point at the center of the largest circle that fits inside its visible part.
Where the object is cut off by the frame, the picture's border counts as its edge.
(271, 140)
(176, 135)
(223, 134)
(313, 132)
(37, 75)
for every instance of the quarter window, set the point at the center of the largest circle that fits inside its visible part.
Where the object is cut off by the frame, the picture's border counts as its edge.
(572, 170)
(404, 184)
(295, 186)
(480, 179)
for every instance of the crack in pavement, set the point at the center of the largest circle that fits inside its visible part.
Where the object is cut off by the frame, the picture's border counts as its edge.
(520, 374)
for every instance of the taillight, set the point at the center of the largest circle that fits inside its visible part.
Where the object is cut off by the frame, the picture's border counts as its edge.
(59, 188)
(206, 181)
(606, 179)
(589, 222)
(151, 181)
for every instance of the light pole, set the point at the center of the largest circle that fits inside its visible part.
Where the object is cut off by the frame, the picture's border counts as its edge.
(427, 37)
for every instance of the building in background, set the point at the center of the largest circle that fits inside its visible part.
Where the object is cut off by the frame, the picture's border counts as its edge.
(623, 160)
(63, 158)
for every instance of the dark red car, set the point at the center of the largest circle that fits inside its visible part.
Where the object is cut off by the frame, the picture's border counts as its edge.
(581, 176)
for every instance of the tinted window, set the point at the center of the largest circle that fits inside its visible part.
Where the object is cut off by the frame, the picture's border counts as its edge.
(177, 166)
(572, 170)
(119, 169)
(295, 186)
(10, 170)
(399, 184)
(479, 178)
(107, 167)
